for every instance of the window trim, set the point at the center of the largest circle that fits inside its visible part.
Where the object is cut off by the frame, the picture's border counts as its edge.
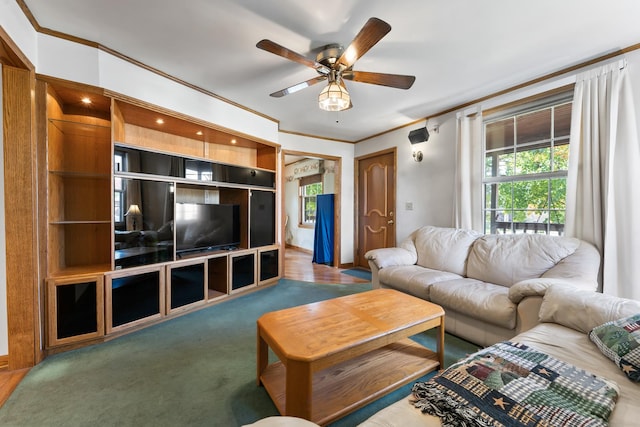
(303, 182)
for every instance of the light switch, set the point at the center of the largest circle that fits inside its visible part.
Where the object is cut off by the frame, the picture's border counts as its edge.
(408, 206)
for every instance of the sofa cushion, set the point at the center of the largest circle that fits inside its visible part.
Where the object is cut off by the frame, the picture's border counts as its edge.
(444, 249)
(583, 310)
(508, 259)
(619, 340)
(413, 279)
(575, 347)
(484, 301)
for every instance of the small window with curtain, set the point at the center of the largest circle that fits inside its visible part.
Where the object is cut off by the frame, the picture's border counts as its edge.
(118, 190)
(526, 158)
(309, 188)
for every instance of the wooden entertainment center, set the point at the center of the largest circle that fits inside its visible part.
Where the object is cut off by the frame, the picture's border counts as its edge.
(114, 254)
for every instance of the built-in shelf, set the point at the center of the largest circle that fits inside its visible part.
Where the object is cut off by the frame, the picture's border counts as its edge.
(73, 174)
(99, 269)
(82, 128)
(79, 222)
(128, 270)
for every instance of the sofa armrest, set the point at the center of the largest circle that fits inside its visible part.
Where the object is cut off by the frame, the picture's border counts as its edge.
(528, 313)
(388, 257)
(581, 267)
(539, 286)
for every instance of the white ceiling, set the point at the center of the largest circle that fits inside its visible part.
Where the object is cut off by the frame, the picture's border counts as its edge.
(459, 50)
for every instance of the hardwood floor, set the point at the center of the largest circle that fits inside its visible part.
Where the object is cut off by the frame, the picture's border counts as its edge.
(297, 266)
(9, 380)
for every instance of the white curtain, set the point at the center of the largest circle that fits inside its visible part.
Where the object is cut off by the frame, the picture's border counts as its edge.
(604, 168)
(468, 186)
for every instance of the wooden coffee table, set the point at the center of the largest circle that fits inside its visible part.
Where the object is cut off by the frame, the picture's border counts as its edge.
(340, 354)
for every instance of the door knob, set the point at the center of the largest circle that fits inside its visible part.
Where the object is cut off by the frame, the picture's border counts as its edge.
(390, 221)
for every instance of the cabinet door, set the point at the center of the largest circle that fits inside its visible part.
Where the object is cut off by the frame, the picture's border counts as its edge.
(269, 264)
(263, 218)
(243, 270)
(75, 306)
(186, 284)
(134, 297)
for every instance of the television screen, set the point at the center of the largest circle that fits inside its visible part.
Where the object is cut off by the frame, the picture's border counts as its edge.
(206, 227)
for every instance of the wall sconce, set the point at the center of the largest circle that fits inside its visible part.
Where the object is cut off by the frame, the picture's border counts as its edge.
(417, 136)
(134, 211)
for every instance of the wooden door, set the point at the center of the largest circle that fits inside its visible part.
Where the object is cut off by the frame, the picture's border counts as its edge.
(376, 204)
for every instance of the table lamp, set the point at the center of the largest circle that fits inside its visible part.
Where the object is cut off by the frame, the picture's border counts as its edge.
(134, 211)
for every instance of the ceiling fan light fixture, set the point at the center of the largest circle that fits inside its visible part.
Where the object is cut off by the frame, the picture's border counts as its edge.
(334, 97)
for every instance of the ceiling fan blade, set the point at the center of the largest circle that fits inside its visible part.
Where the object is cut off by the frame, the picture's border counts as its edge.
(299, 86)
(279, 50)
(372, 32)
(392, 80)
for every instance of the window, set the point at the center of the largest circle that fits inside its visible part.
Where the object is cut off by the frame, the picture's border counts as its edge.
(310, 187)
(118, 190)
(526, 159)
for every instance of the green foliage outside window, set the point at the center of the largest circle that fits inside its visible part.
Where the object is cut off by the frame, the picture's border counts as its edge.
(525, 183)
(309, 193)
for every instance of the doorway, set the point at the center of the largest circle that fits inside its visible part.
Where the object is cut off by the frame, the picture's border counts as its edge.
(297, 227)
(376, 201)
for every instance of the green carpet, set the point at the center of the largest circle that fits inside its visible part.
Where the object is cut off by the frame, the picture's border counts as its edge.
(195, 370)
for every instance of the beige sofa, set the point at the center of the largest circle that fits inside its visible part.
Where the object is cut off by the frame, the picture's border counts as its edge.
(491, 286)
(567, 315)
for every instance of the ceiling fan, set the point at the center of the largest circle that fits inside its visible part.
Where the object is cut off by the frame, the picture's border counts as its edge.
(335, 65)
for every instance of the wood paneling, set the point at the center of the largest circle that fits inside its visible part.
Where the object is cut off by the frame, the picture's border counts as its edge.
(179, 134)
(20, 217)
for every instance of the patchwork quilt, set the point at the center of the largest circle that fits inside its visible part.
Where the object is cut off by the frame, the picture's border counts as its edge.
(511, 384)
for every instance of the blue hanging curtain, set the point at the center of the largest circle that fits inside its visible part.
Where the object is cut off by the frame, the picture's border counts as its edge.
(323, 240)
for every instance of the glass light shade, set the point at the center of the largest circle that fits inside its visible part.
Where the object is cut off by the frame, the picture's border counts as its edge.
(334, 98)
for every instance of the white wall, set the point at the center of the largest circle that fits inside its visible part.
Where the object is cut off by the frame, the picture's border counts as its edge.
(429, 184)
(17, 26)
(345, 152)
(71, 61)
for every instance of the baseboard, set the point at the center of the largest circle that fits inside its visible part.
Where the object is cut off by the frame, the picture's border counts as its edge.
(298, 248)
(4, 363)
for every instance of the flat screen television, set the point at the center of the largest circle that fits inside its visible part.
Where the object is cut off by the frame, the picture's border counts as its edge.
(201, 227)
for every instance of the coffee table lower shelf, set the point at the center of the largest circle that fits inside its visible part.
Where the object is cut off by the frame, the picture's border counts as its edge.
(347, 386)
